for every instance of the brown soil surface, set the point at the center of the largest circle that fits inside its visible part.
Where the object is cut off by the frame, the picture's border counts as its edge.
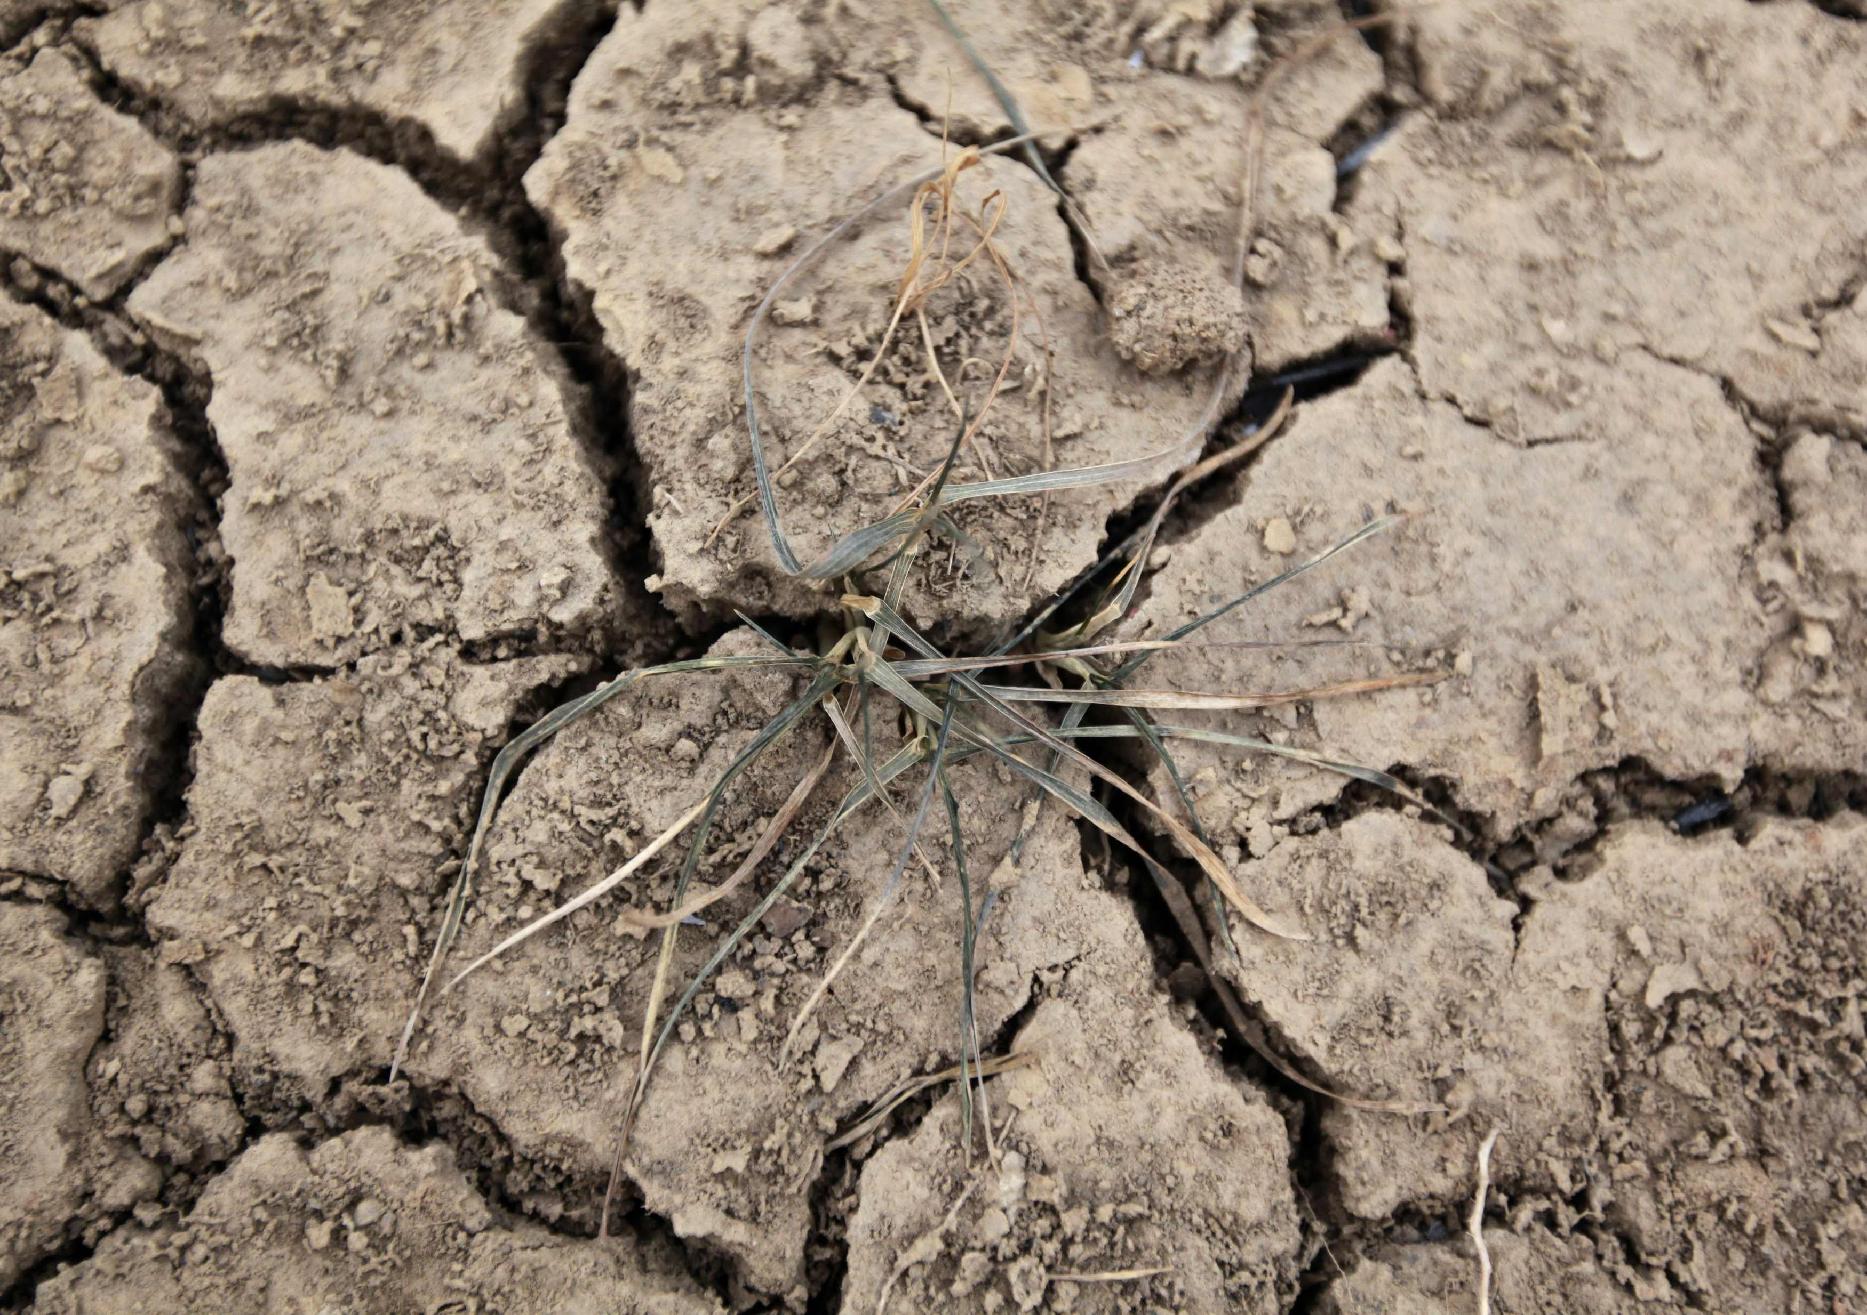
(371, 381)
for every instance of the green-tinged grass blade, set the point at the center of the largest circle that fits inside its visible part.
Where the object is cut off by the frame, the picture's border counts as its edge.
(821, 684)
(839, 722)
(1062, 599)
(1076, 477)
(1354, 771)
(1002, 94)
(969, 1057)
(1115, 696)
(890, 1101)
(920, 809)
(859, 546)
(901, 568)
(1072, 719)
(856, 548)
(1373, 527)
(765, 634)
(504, 765)
(1139, 721)
(925, 668)
(1384, 781)
(1116, 601)
(863, 752)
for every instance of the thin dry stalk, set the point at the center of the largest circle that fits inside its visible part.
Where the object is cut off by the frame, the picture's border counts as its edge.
(891, 1100)
(781, 820)
(588, 897)
(1475, 1225)
(1108, 1275)
(912, 294)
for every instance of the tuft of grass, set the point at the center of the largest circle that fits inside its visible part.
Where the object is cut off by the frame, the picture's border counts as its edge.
(952, 711)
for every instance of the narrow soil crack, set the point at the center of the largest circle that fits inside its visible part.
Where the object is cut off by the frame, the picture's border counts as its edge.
(181, 1185)
(196, 454)
(833, 1193)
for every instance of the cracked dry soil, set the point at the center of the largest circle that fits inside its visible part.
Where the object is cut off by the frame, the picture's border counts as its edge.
(369, 382)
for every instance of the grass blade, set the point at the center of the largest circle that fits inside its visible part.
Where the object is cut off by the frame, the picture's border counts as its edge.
(1203, 701)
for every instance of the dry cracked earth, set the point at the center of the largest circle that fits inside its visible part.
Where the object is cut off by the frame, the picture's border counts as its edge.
(369, 381)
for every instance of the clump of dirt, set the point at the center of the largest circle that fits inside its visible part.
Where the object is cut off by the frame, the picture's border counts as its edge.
(1170, 320)
(362, 1223)
(94, 605)
(88, 192)
(403, 454)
